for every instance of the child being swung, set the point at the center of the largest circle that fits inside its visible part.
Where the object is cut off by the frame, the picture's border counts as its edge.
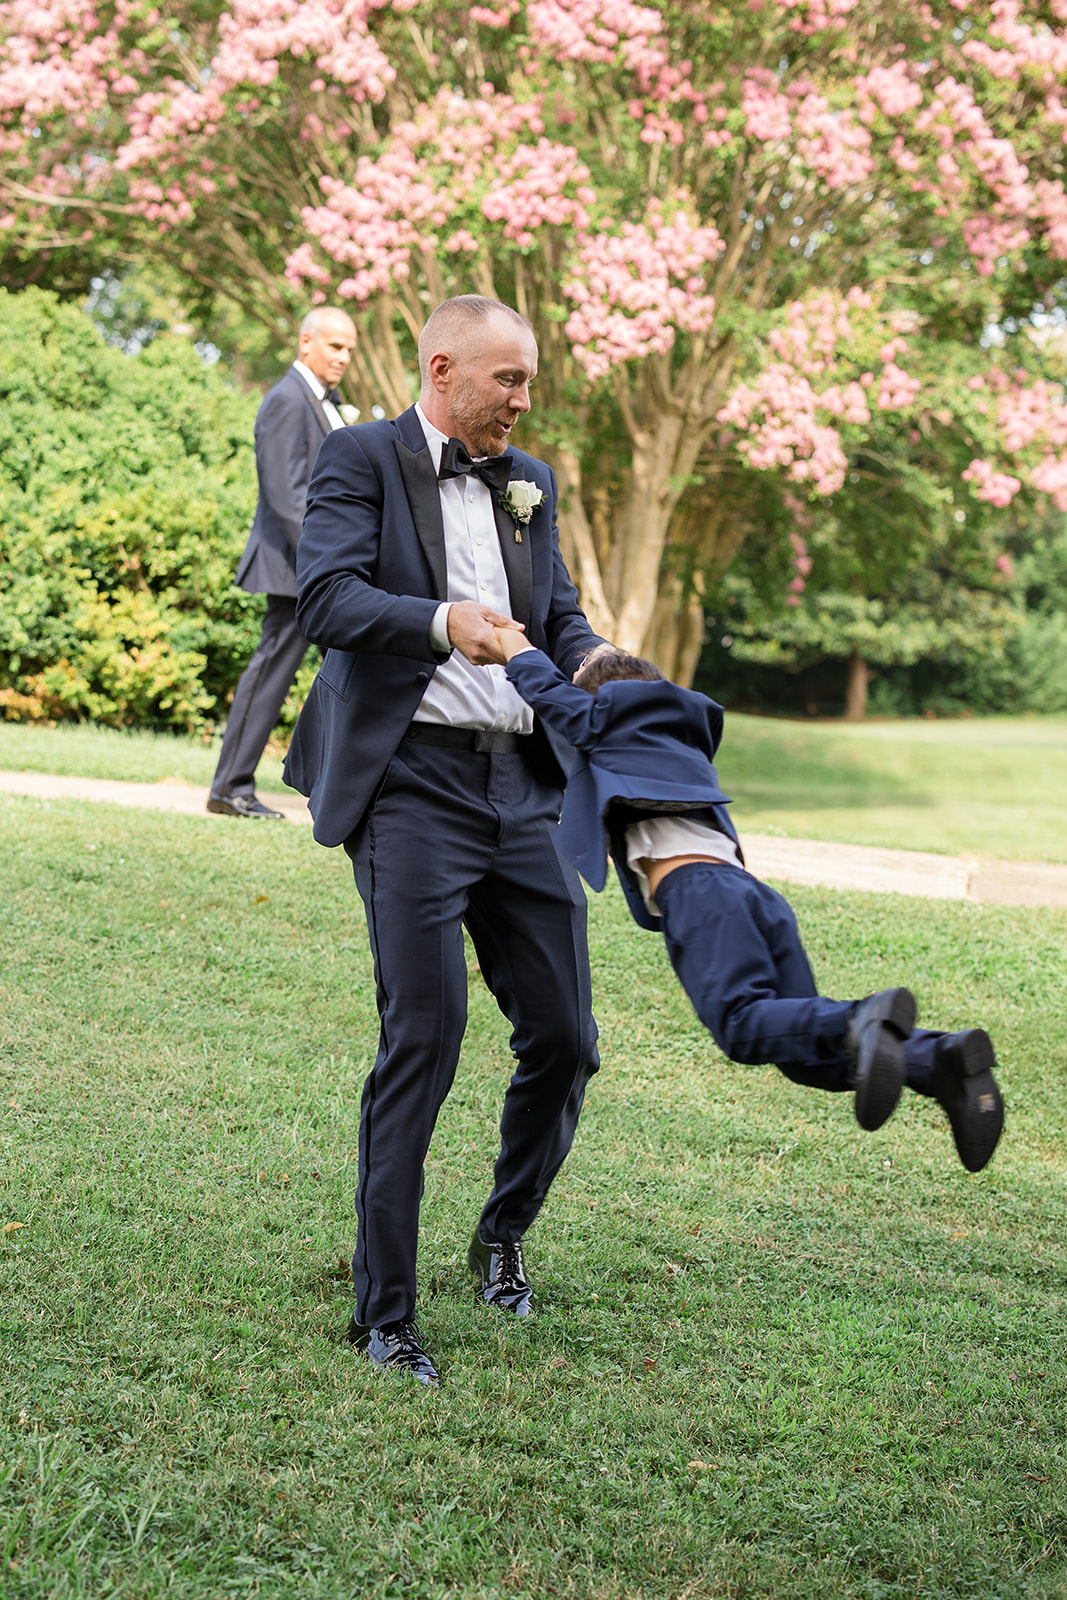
(645, 785)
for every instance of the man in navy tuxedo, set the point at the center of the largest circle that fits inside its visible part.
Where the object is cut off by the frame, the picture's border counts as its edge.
(645, 780)
(421, 537)
(295, 417)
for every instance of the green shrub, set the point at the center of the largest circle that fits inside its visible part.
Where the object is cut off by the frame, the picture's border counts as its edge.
(127, 488)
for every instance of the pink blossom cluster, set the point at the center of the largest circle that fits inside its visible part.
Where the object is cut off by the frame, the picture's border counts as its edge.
(958, 131)
(989, 241)
(998, 488)
(766, 110)
(59, 57)
(816, 328)
(779, 415)
(252, 38)
(632, 289)
(1027, 413)
(898, 389)
(1032, 416)
(62, 58)
(814, 16)
(831, 143)
(600, 30)
(791, 424)
(1040, 49)
(891, 90)
(542, 184)
(454, 153)
(397, 202)
(494, 19)
(813, 329)
(1050, 476)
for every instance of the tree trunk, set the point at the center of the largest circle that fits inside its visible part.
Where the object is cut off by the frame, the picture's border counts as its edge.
(675, 636)
(640, 532)
(856, 690)
(578, 544)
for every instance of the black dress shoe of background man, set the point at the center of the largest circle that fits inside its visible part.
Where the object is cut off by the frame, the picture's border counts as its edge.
(963, 1082)
(500, 1268)
(241, 805)
(876, 1033)
(396, 1347)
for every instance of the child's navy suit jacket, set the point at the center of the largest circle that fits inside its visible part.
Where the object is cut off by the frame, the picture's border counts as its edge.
(637, 742)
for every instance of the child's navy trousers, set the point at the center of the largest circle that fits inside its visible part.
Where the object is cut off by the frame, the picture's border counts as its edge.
(735, 946)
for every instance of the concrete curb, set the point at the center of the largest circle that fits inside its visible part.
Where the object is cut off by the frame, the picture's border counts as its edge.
(808, 861)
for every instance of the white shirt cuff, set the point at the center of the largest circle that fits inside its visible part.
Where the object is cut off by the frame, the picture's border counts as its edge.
(439, 628)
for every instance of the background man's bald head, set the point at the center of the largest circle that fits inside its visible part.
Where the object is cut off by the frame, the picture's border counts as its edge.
(322, 318)
(327, 339)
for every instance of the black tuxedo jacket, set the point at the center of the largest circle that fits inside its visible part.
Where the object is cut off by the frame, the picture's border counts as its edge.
(290, 426)
(370, 575)
(643, 748)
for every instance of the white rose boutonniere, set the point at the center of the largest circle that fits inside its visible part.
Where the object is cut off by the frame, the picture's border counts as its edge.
(520, 500)
(349, 415)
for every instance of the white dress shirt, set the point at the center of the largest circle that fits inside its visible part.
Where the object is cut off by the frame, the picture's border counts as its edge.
(460, 694)
(318, 389)
(659, 838)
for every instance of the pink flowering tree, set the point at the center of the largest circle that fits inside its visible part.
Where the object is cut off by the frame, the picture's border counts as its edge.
(890, 523)
(756, 236)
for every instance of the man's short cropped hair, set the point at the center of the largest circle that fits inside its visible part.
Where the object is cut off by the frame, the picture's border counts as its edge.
(610, 666)
(452, 325)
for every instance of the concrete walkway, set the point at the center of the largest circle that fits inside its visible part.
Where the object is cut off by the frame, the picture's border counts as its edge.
(809, 861)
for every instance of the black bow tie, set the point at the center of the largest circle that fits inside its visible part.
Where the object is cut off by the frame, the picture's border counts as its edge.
(334, 397)
(456, 462)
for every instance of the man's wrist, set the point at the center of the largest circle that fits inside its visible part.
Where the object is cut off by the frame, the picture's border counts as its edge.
(439, 628)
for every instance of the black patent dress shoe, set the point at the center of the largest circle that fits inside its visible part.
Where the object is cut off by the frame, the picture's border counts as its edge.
(964, 1084)
(503, 1277)
(396, 1347)
(876, 1033)
(241, 805)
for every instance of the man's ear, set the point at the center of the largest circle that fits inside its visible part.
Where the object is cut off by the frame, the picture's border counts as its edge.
(440, 371)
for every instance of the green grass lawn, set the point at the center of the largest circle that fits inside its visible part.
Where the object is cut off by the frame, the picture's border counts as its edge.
(134, 755)
(988, 786)
(991, 786)
(775, 1356)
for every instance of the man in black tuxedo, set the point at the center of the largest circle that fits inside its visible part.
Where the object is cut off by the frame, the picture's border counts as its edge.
(295, 417)
(419, 757)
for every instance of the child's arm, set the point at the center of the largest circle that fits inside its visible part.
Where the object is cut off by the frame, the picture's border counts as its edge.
(571, 712)
(511, 642)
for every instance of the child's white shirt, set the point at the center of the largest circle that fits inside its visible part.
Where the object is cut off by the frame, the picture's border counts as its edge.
(659, 838)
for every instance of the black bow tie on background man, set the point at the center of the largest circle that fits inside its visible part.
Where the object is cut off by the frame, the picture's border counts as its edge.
(456, 462)
(335, 397)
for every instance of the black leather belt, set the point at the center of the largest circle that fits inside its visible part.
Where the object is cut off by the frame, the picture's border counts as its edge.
(481, 740)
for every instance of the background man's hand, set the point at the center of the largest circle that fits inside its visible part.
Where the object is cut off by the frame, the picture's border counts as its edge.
(472, 631)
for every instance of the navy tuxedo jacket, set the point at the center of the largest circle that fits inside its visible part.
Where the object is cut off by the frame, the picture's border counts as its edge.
(290, 426)
(643, 749)
(371, 573)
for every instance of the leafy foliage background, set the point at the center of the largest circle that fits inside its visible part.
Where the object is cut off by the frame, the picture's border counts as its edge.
(127, 488)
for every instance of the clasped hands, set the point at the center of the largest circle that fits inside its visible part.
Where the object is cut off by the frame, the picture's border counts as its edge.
(487, 638)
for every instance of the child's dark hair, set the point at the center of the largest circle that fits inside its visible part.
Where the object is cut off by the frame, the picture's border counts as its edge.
(609, 666)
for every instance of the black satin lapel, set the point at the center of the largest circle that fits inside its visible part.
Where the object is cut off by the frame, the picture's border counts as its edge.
(517, 562)
(424, 498)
